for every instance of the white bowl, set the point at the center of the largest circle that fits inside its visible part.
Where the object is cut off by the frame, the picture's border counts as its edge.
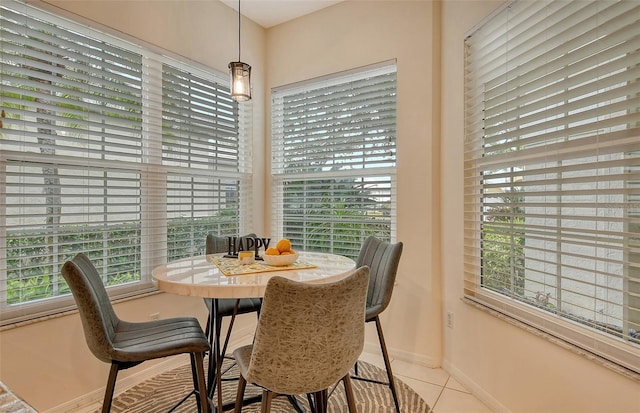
(280, 260)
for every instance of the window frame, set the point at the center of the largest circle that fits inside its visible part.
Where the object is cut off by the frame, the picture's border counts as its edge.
(151, 170)
(482, 73)
(312, 100)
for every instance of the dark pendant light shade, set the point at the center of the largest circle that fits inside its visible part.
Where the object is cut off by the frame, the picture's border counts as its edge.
(240, 74)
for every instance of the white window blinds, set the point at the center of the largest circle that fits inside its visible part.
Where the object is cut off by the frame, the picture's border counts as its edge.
(106, 148)
(334, 159)
(552, 170)
(204, 152)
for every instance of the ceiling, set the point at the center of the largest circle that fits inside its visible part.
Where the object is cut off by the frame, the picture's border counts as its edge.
(268, 13)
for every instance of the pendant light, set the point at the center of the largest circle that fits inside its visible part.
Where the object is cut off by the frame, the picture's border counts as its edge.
(240, 74)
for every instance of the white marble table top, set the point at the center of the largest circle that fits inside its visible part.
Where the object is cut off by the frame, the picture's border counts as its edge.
(199, 277)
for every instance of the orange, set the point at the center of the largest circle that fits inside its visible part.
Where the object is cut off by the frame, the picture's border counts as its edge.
(286, 253)
(283, 245)
(272, 251)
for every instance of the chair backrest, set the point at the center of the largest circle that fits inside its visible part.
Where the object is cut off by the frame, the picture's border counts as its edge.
(216, 244)
(309, 335)
(382, 258)
(99, 320)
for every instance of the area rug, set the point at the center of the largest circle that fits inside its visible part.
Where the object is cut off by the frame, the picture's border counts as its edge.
(161, 392)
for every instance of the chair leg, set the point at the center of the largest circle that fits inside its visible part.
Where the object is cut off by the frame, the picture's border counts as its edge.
(321, 401)
(194, 377)
(217, 379)
(242, 384)
(387, 364)
(111, 386)
(348, 391)
(267, 396)
(201, 387)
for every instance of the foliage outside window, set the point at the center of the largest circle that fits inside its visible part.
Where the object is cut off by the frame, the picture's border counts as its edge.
(334, 160)
(106, 148)
(552, 171)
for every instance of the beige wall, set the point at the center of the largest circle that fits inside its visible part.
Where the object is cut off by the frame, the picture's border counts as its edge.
(48, 363)
(359, 33)
(513, 370)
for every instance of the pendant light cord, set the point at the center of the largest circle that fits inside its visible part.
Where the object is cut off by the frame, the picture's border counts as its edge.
(239, 15)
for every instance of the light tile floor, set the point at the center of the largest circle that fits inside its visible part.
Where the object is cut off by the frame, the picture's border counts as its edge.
(442, 392)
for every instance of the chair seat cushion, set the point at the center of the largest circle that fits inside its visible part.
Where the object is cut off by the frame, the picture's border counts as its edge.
(141, 341)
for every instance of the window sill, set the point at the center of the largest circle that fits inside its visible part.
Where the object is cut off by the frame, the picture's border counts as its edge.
(632, 375)
(38, 318)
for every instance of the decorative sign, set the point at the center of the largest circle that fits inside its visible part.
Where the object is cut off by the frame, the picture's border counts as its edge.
(237, 244)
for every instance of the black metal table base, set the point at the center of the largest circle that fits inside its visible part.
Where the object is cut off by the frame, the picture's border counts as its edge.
(216, 358)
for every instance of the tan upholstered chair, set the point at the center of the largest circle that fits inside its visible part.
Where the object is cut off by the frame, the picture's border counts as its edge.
(126, 344)
(308, 338)
(382, 258)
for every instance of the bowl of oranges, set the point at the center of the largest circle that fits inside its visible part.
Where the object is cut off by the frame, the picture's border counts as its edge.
(281, 254)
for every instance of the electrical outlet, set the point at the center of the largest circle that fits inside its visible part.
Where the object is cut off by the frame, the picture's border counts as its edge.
(449, 319)
(154, 316)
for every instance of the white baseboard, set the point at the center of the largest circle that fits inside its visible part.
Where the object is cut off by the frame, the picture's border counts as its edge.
(395, 354)
(414, 358)
(476, 390)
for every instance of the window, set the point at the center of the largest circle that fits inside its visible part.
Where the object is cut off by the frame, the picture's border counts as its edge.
(334, 160)
(552, 171)
(206, 171)
(111, 149)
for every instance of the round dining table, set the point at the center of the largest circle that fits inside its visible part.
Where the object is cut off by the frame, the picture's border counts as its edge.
(200, 276)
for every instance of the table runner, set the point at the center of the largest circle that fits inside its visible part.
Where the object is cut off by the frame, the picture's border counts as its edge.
(231, 266)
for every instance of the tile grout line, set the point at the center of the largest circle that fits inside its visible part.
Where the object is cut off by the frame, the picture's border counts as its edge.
(432, 410)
